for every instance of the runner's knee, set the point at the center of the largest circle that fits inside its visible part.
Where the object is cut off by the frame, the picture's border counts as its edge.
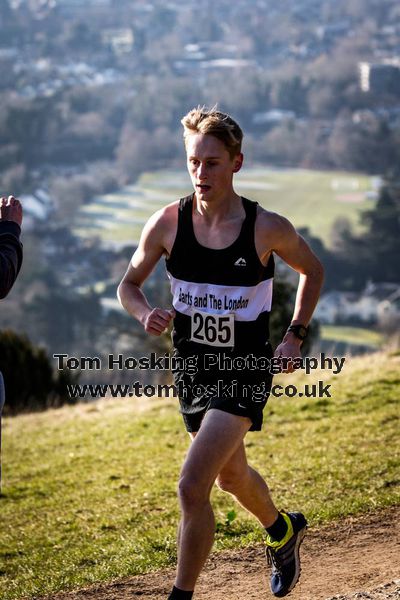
(192, 493)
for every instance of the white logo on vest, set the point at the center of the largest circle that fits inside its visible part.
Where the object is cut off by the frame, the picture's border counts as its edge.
(241, 262)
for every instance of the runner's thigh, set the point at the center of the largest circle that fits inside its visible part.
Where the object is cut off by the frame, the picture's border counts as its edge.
(218, 438)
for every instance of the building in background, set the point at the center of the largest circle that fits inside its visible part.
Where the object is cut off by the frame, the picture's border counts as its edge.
(382, 77)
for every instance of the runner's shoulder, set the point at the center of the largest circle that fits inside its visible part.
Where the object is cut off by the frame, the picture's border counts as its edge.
(160, 229)
(164, 218)
(271, 223)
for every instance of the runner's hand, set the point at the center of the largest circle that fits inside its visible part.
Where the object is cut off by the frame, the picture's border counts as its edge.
(289, 349)
(10, 210)
(158, 320)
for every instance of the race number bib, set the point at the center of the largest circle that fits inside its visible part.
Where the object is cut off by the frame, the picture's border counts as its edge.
(214, 330)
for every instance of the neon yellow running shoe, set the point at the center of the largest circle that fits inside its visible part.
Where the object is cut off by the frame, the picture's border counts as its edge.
(284, 555)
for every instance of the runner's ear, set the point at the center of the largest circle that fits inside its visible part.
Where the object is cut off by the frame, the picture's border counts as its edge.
(238, 163)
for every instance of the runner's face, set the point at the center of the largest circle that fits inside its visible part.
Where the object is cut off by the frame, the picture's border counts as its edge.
(210, 166)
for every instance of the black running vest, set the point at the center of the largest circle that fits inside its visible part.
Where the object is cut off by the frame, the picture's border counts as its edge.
(222, 298)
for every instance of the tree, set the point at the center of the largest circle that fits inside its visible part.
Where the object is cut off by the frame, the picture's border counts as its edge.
(291, 94)
(374, 254)
(133, 153)
(69, 193)
(30, 381)
(13, 180)
(382, 239)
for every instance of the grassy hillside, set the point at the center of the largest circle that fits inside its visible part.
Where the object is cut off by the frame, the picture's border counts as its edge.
(311, 199)
(89, 491)
(353, 336)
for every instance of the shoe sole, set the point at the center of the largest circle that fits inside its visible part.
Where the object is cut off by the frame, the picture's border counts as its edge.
(300, 538)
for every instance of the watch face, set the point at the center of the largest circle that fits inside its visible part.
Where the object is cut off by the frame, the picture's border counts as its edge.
(299, 331)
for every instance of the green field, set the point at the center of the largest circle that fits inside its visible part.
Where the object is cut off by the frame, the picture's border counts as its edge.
(89, 491)
(311, 199)
(354, 336)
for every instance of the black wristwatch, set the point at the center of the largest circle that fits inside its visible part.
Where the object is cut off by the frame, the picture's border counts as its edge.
(300, 331)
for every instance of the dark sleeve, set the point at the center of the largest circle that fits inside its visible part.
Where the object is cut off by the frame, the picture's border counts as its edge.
(10, 255)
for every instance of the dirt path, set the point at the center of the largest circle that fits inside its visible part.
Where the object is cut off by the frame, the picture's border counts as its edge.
(354, 559)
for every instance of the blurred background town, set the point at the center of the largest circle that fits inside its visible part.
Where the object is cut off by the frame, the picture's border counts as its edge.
(91, 97)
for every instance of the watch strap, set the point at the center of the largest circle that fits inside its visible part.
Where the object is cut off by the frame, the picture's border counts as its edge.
(300, 331)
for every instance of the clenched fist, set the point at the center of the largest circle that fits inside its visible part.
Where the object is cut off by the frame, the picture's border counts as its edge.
(158, 320)
(10, 210)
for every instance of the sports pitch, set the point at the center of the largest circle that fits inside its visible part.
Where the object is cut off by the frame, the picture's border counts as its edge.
(313, 199)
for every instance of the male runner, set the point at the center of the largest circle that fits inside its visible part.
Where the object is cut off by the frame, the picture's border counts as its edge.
(10, 261)
(219, 257)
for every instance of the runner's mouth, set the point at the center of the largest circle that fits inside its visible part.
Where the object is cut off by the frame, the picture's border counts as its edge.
(203, 188)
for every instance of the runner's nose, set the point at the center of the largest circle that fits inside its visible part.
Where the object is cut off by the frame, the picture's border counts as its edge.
(201, 171)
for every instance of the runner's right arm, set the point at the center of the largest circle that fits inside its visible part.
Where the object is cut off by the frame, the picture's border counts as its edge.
(148, 253)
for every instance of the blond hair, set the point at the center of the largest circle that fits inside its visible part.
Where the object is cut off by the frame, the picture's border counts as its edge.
(213, 122)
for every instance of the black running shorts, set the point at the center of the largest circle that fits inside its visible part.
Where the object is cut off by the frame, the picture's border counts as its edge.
(231, 381)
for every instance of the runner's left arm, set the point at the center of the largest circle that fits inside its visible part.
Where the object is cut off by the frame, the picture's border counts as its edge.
(295, 251)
